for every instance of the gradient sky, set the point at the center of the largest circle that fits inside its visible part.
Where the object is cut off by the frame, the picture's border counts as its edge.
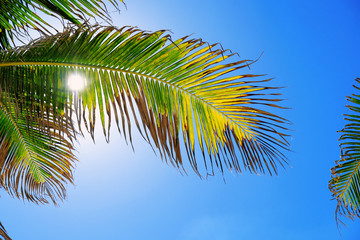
(310, 47)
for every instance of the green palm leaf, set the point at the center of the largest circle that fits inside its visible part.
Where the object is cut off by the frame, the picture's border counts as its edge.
(345, 182)
(182, 89)
(17, 16)
(36, 159)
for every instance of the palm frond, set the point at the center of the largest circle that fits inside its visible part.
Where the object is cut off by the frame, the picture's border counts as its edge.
(35, 149)
(180, 89)
(17, 16)
(345, 182)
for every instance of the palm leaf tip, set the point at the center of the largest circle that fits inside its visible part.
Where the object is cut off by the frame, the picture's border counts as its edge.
(3, 234)
(345, 179)
(180, 92)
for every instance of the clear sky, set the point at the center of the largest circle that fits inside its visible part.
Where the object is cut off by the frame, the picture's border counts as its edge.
(310, 47)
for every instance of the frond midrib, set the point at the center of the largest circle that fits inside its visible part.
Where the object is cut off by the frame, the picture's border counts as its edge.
(34, 63)
(345, 188)
(29, 153)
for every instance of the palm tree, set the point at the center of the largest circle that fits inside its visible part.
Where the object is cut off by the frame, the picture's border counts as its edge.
(345, 182)
(181, 93)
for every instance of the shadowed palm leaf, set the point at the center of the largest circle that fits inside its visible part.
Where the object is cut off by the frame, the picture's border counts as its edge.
(184, 88)
(35, 147)
(17, 16)
(345, 182)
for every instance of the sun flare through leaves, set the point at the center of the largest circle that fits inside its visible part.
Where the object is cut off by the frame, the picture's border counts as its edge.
(184, 95)
(76, 82)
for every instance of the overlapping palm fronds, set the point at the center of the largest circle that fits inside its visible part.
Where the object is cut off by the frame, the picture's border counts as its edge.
(181, 88)
(36, 158)
(35, 151)
(17, 16)
(179, 93)
(345, 182)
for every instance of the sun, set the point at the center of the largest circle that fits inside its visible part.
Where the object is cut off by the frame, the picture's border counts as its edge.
(76, 82)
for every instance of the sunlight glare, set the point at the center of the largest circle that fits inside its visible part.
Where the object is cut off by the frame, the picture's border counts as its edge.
(76, 82)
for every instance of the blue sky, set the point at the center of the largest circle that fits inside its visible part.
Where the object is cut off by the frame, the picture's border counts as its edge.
(310, 47)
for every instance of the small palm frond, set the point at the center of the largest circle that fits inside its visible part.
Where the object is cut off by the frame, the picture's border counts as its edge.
(3, 233)
(181, 89)
(17, 16)
(345, 182)
(35, 149)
